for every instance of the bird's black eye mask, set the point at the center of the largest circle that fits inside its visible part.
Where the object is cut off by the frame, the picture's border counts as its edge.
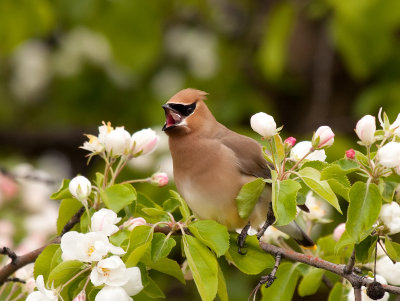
(175, 113)
(184, 110)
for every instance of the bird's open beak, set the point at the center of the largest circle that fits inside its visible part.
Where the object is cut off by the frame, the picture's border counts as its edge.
(172, 117)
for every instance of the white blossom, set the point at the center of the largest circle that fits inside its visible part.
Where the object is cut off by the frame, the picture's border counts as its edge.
(389, 270)
(272, 235)
(88, 247)
(134, 222)
(110, 271)
(395, 126)
(390, 216)
(389, 155)
(108, 293)
(325, 135)
(365, 129)
(318, 208)
(93, 145)
(42, 294)
(80, 187)
(134, 284)
(144, 142)
(302, 148)
(263, 124)
(104, 221)
(339, 230)
(118, 142)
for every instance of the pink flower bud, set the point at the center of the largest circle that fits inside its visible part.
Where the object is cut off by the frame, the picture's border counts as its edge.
(159, 179)
(144, 142)
(350, 154)
(338, 232)
(325, 135)
(291, 141)
(80, 297)
(134, 222)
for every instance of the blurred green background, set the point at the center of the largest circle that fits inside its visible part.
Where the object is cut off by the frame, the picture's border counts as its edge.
(66, 65)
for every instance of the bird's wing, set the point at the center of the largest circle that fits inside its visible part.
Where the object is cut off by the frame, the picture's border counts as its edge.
(248, 153)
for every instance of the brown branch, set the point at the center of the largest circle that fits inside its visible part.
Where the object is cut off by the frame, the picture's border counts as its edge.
(9, 253)
(14, 279)
(355, 279)
(21, 261)
(350, 265)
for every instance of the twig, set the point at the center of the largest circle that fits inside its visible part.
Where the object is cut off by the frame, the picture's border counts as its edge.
(327, 282)
(9, 253)
(355, 279)
(357, 294)
(30, 257)
(15, 279)
(350, 265)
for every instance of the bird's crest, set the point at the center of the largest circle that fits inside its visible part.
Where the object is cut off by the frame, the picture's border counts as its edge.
(188, 96)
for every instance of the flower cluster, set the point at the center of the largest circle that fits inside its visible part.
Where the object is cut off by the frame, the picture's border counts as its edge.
(119, 142)
(94, 249)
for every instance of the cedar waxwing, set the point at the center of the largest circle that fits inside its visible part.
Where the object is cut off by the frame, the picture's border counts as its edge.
(211, 163)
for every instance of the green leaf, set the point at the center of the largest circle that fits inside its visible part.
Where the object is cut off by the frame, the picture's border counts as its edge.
(171, 205)
(44, 260)
(212, 234)
(248, 197)
(222, 290)
(64, 272)
(365, 249)
(278, 149)
(393, 249)
(136, 255)
(62, 192)
(344, 241)
(139, 236)
(284, 200)
(99, 179)
(118, 239)
(154, 212)
(203, 265)
(152, 290)
(316, 164)
(339, 186)
(254, 261)
(56, 260)
(117, 196)
(311, 282)
(347, 165)
(284, 285)
(161, 246)
(338, 293)
(364, 208)
(67, 209)
(167, 266)
(387, 190)
(311, 177)
(183, 208)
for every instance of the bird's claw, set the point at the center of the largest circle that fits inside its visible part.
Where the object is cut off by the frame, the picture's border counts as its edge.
(241, 240)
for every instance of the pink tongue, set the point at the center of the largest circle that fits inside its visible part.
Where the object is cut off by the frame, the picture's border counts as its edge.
(170, 120)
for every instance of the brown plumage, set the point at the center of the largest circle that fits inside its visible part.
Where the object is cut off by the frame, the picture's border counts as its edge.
(211, 163)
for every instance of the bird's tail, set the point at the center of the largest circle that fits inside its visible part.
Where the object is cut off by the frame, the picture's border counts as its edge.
(294, 231)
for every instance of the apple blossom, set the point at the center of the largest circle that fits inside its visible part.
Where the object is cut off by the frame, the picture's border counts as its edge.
(263, 124)
(318, 208)
(144, 142)
(80, 188)
(110, 271)
(291, 141)
(395, 126)
(134, 222)
(104, 131)
(323, 137)
(302, 148)
(339, 230)
(389, 155)
(108, 293)
(389, 270)
(134, 284)
(104, 221)
(81, 296)
(365, 129)
(118, 142)
(390, 216)
(42, 294)
(272, 235)
(350, 154)
(93, 145)
(159, 179)
(380, 279)
(92, 246)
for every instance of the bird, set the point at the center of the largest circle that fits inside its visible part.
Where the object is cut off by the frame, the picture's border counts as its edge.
(211, 163)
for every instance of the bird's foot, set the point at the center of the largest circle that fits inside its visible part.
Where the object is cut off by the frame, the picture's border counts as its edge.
(241, 240)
